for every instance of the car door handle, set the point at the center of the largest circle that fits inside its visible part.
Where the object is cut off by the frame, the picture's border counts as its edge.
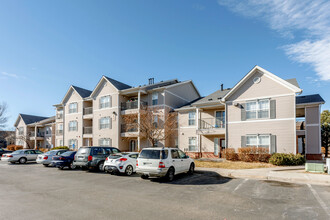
(173, 161)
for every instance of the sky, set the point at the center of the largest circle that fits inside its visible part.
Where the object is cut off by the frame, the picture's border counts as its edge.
(45, 46)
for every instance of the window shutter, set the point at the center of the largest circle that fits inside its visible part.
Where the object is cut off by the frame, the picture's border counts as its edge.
(110, 100)
(273, 144)
(243, 112)
(243, 141)
(110, 142)
(110, 122)
(100, 123)
(272, 109)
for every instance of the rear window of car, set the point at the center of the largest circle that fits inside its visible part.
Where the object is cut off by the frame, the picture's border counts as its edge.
(115, 156)
(18, 152)
(67, 153)
(50, 152)
(153, 154)
(83, 150)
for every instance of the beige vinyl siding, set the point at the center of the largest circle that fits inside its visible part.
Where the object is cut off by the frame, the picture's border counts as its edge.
(185, 91)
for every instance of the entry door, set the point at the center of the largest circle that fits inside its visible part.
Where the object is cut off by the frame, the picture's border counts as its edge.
(223, 144)
(216, 146)
(132, 146)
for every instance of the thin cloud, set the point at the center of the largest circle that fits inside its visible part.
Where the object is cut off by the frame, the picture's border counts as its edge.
(12, 75)
(311, 17)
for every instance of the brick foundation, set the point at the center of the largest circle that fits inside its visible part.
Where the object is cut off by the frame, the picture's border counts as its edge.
(195, 155)
(313, 156)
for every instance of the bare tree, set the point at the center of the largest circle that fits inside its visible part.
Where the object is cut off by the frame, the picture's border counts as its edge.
(26, 139)
(155, 124)
(3, 117)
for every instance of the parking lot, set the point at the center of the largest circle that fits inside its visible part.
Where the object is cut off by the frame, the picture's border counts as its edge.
(32, 191)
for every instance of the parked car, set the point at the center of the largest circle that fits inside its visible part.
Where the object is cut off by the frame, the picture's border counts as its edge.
(64, 160)
(3, 151)
(163, 162)
(121, 163)
(93, 157)
(21, 156)
(46, 158)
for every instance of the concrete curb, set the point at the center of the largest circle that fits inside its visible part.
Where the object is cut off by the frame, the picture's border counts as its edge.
(282, 175)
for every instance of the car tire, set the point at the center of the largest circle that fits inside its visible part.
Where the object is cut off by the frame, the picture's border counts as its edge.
(100, 166)
(46, 165)
(191, 169)
(144, 176)
(72, 167)
(129, 170)
(22, 160)
(170, 174)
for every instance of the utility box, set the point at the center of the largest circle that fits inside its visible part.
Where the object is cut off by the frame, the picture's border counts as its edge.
(328, 165)
(314, 167)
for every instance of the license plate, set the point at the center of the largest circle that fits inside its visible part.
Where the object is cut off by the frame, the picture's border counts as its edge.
(80, 156)
(39, 157)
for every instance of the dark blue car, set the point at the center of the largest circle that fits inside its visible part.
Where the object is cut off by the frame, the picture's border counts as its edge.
(64, 160)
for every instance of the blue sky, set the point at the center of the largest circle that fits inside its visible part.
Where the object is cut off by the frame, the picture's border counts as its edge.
(45, 46)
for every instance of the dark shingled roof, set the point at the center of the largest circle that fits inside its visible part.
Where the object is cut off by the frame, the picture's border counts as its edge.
(293, 82)
(216, 96)
(189, 104)
(117, 84)
(160, 84)
(315, 98)
(28, 119)
(82, 92)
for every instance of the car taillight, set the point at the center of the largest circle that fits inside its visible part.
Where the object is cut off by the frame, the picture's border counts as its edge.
(3, 155)
(90, 158)
(137, 163)
(122, 159)
(62, 158)
(45, 157)
(161, 165)
(106, 159)
(10, 156)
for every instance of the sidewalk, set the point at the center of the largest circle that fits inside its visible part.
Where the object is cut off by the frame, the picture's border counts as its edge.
(294, 174)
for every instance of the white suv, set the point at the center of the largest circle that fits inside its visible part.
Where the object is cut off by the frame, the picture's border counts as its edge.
(163, 162)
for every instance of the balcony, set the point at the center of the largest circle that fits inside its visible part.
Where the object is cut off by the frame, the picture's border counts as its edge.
(211, 126)
(87, 130)
(40, 136)
(88, 110)
(59, 132)
(132, 105)
(129, 130)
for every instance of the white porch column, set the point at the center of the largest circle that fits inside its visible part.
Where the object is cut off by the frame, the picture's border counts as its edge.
(35, 136)
(197, 127)
(139, 108)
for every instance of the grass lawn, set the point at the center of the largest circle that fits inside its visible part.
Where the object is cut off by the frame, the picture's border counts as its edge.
(232, 164)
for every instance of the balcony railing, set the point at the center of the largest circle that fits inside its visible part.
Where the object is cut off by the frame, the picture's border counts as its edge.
(129, 128)
(210, 123)
(300, 124)
(88, 110)
(39, 134)
(59, 116)
(59, 132)
(88, 130)
(132, 105)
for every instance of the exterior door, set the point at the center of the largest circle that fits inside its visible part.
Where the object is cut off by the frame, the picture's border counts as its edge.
(132, 145)
(216, 146)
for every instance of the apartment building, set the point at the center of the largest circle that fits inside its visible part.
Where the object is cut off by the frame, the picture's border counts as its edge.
(95, 118)
(261, 110)
(35, 131)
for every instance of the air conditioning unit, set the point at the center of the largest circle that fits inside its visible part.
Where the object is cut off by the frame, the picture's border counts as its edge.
(328, 165)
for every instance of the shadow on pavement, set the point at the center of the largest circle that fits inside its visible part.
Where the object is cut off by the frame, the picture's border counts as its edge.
(198, 178)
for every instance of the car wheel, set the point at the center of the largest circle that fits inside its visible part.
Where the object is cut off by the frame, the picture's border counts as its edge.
(46, 165)
(72, 167)
(100, 166)
(191, 169)
(144, 176)
(170, 174)
(22, 160)
(129, 170)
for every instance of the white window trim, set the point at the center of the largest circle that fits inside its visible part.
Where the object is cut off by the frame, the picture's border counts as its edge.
(76, 109)
(105, 139)
(152, 98)
(196, 145)
(257, 108)
(100, 124)
(257, 145)
(109, 103)
(194, 119)
(76, 127)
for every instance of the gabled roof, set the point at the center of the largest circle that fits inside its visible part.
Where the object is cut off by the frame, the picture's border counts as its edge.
(117, 84)
(293, 81)
(160, 84)
(29, 119)
(188, 105)
(83, 93)
(283, 82)
(309, 99)
(214, 97)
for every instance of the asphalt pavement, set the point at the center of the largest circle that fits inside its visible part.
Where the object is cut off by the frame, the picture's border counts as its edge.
(32, 191)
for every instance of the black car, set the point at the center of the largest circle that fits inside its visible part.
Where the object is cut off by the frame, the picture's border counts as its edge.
(64, 160)
(93, 157)
(3, 151)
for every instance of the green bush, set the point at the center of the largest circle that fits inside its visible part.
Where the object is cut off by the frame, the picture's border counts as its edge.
(281, 159)
(60, 148)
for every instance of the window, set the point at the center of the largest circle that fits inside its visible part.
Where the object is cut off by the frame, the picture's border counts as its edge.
(105, 142)
(73, 144)
(257, 109)
(105, 122)
(133, 156)
(20, 131)
(220, 119)
(48, 130)
(192, 144)
(258, 141)
(73, 107)
(60, 143)
(97, 151)
(155, 98)
(105, 102)
(155, 121)
(192, 118)
(175, 154)
(60, 127)
(73, 126)
(20, 142)
(182, 155)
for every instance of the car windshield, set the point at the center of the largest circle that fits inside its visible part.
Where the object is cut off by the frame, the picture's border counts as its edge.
(52, 152)
(153, 154)
(67, 153)
(18, 152)
(83, 150)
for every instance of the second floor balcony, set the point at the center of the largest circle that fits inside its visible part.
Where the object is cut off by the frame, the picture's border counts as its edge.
(129, 128)
(39, 134)
(88, 130)
(59, 116)
(212, 126)
(133, 105)
(88, 110)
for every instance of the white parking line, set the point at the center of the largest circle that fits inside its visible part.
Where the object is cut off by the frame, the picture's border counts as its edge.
(239, 185)
(318, 198)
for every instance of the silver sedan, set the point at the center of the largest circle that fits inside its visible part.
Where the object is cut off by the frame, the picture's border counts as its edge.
(21, 156)
(46, 158)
